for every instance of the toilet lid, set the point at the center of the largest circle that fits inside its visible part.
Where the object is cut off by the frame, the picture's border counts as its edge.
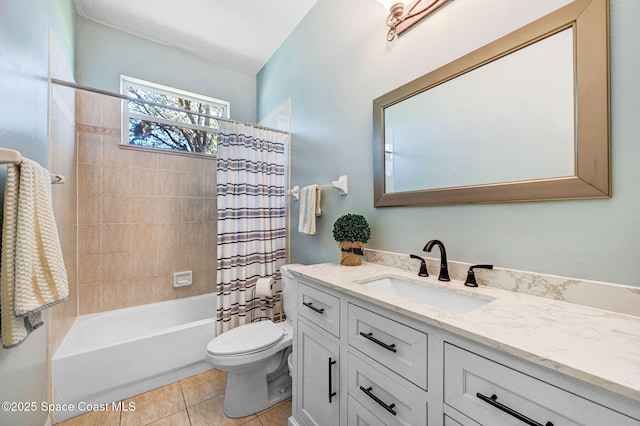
(246, 338)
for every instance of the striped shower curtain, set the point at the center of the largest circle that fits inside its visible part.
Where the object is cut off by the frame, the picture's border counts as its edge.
(251, 221)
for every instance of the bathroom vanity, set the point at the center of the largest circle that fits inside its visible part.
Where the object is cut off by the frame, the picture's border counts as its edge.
(369, 353)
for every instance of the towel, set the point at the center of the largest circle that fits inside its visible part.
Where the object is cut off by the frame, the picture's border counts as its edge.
(33, 275)
(309, 209)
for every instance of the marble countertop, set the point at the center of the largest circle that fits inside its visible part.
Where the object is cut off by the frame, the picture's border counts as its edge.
(597, 346)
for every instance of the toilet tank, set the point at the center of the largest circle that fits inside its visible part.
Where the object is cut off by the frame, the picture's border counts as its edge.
(289, 290)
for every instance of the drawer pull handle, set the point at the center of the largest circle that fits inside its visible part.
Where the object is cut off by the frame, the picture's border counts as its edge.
(389, 408)
(331, 393)
(493, 400)
(310, 306)
(391, 347)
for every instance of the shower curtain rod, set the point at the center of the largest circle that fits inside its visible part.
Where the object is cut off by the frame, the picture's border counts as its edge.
(128, 98)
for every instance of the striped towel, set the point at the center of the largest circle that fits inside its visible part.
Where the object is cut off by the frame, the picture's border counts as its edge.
(33, 275)
(309, 209)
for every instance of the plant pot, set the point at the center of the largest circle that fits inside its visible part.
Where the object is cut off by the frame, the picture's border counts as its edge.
(351, 253)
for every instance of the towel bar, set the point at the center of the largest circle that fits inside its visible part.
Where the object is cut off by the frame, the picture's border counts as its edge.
(342, 185)
(11, 156)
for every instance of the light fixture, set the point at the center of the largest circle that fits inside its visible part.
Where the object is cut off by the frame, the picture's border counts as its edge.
(402, 18)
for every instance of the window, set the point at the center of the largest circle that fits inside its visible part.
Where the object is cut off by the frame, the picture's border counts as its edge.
(169, 118)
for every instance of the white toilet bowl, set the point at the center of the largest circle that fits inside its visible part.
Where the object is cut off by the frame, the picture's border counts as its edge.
(256, 357)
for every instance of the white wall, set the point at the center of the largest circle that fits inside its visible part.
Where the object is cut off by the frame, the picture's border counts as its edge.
(337, 61)
(105, 53)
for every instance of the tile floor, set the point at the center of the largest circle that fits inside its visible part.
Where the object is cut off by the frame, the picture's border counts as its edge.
(194, 401)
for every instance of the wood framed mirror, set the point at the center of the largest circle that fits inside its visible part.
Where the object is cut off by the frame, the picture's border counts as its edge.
(490, 127)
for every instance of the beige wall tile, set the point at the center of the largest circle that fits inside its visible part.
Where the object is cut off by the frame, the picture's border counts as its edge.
(89, 178)
(89, 297)
(168, 209)
(193, 210)
(116, 180)
(146, 290)
(110, 112)
(89, 108)
(144, 159)
(115, 266)
(169, 183)
(112, 153)
(192, 185)
(146, 236)
(143, 209)
(172, 260)
(152, 211)
(169, 236)
(89, 208)
(209, 182)
(144, 263)
(89, 148)
(89, 269)
(177, 162)
(89, 239)
(210, 210)
(116, 238)
(115, 295)
(143, 181)
(116, 209)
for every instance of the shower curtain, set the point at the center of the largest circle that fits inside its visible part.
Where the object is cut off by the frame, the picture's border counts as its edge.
(251, 221)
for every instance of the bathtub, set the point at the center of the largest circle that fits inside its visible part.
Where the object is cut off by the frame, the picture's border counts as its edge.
(110, 356)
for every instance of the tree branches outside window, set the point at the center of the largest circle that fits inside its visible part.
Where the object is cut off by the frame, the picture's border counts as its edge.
(193, 130)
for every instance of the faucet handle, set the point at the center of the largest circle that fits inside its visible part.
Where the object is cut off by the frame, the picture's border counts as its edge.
(423, 266)
(471, 276)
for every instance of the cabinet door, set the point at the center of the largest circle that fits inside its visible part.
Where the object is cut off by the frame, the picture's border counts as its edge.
(318, 377)
(360, 416)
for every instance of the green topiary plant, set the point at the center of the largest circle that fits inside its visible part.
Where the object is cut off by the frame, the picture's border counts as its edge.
(351, 227)
(351, 231)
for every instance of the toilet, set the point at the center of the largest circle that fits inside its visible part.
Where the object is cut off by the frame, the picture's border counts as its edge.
(256, 356)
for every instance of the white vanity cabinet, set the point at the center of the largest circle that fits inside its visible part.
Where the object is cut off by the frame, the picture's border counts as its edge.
(318, 358)
(394, 370)
(386, 367)
(318, 377)
(491, 393)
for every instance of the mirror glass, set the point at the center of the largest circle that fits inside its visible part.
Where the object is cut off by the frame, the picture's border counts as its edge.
(524, 118)
(505, 121)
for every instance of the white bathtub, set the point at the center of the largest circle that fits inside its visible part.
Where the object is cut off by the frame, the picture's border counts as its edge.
(113, 355)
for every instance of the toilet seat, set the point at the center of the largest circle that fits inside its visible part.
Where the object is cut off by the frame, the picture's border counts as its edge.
(246, 339)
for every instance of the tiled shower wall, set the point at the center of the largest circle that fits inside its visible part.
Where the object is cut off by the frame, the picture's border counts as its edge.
(142, 215)
(62, 160)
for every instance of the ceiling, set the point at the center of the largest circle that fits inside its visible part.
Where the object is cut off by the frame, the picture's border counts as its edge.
(242, 34)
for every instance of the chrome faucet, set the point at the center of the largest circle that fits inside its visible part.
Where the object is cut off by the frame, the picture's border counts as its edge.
(444, 269)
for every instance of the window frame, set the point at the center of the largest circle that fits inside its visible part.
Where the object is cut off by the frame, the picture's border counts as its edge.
(127, 81)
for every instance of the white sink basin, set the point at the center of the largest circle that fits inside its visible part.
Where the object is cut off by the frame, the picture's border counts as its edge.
(444, 299)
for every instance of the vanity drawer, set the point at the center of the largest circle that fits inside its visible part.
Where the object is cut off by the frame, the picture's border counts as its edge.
(393, 344)
(476, 386)
(359, 416)
(385, 398)
(320, 308)
(448, 421)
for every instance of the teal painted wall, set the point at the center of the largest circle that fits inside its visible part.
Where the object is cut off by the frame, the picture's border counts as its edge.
(23, 126)
(337, 61)
(105, 53)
